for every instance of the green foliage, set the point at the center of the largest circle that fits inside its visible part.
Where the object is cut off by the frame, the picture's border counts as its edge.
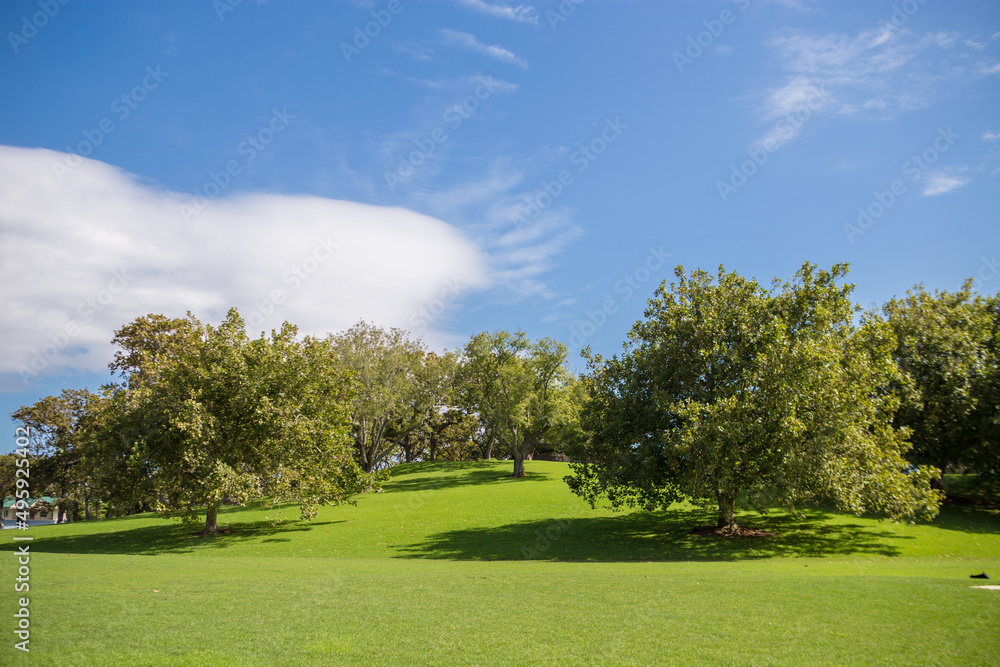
(521, 391)
(731, 393)
(215, 417)
(942, 352)
(984, 455)
(394, 393)
(58, 437)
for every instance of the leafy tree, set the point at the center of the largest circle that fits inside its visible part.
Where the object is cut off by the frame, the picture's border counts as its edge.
(729, 393)
(8, 476)
(428, 413)
(447, 433)
(148, 339)
(57, 427)
(215, 415)
(941, 350)
(519, 389)
(984, 455)
(121, 475)
(390, 397)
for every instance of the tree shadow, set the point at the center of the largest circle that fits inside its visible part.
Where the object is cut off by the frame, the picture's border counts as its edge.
(484, 473)
(968, 517)
(172, 537)
(658, 536)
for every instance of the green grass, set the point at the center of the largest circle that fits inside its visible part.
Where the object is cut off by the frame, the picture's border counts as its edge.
(451, 565)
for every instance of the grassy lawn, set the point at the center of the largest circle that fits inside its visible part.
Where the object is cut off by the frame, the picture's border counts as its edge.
(460, 564)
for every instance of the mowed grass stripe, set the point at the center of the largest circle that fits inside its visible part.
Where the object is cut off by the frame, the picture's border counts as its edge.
(431, 572)
(306, 611)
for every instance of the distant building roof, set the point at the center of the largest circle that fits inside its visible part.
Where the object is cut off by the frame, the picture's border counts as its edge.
(45, 500)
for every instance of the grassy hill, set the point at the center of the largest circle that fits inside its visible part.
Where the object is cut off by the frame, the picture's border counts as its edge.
(458, 563)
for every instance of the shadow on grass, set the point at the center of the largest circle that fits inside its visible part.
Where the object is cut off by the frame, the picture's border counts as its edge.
(657, 536)
(479, 473)
(169, 537)
(968, 517)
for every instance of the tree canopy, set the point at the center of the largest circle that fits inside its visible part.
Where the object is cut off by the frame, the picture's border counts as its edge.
(217, 416)
(520, 390)
(730, 393)
(946, 351)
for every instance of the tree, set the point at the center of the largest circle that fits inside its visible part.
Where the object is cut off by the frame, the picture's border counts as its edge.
(984, 455)
(387, 366)
(942, 351)
(121, 476)
(519, 389)
(215, 415)
(8, 476)
(57, 425)
(732, 394)
(151, 338)
(428, 413)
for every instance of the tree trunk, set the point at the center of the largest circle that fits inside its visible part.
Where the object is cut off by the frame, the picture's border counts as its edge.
(727, 511)
(211, 520)
(518, 463)
(407, 449)
(490, 442)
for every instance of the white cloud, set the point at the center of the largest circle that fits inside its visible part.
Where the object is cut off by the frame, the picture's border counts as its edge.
(791, 105)
(469, 42)
(103, 236)
(991, 136)
(876, 73)
(939, 183)
(517, 13)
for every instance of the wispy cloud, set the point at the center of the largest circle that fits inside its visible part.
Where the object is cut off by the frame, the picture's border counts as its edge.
(469, 42)
(416, 51)
(991, 136)
(517, 13)
(489, 203)
(876, 73)
(939, 183)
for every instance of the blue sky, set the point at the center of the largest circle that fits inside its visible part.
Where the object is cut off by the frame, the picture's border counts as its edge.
(452, 167)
